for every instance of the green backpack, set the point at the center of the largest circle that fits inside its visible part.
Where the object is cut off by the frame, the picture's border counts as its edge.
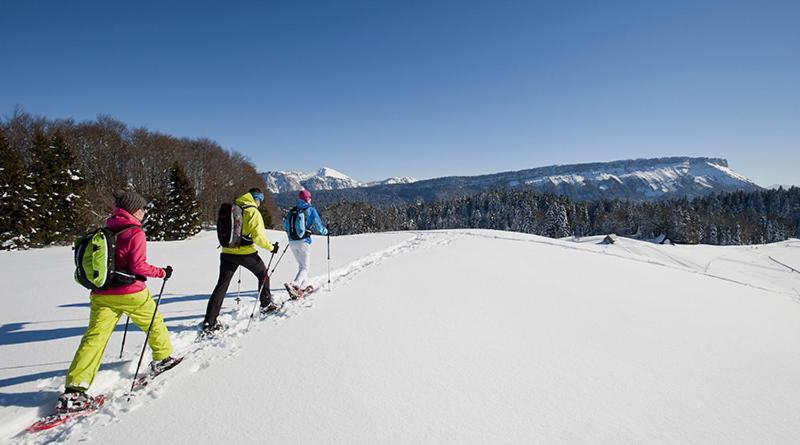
(94, 260)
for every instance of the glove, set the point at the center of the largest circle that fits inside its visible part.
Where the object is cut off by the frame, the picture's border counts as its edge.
(274, 247)
(167, 272)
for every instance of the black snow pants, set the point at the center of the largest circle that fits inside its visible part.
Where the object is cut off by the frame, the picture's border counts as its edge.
(228, 263)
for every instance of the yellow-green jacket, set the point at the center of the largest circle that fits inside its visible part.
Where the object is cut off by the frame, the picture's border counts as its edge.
(252, 227)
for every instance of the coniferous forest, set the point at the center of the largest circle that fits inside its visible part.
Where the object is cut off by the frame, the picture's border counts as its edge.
(725, 219)
(57, 179)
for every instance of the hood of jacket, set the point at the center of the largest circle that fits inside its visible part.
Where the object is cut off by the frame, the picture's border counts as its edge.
(246, 200)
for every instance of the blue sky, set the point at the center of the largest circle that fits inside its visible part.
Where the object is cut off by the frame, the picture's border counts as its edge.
(424, 88)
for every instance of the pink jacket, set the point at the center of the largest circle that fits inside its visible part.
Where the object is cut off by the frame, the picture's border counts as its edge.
(130, 255)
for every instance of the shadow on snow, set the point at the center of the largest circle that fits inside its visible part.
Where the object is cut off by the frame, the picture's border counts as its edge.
(12, 333)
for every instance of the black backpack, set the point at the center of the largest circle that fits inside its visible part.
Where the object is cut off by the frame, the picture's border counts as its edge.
(229, 226)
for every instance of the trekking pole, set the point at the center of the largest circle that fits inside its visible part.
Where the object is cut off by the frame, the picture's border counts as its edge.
(239, 288)
(279, 259)
(124, 335)
(269, 263)
(258, 296)
(329, 261)
(147, 337)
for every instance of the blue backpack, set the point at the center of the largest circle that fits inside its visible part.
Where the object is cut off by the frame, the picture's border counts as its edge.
(295, 224)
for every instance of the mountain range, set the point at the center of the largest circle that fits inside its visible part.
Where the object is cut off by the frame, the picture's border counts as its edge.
(635, 179)
(324, 178)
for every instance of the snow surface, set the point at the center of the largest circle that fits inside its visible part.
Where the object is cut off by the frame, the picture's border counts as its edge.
(464, 336)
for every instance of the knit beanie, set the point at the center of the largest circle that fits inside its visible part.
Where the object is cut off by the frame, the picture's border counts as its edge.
(129, 201)
(304, 195)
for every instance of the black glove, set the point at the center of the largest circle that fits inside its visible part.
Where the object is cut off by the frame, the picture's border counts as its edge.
(275, 248)
(167, 272)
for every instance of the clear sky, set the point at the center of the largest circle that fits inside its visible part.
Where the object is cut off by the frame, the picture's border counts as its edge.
(424, 88)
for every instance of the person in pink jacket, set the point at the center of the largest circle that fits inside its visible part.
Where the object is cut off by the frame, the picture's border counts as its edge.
(107, 306)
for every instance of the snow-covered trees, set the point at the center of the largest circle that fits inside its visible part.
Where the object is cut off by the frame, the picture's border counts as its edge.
(43, 202)
(176, 215)
(62, 174)
(728, 219)
(16, 215)
(59, 189)
(555, 223)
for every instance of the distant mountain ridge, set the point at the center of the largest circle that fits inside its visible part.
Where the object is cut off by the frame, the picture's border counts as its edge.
(635, 179)
(324, 178)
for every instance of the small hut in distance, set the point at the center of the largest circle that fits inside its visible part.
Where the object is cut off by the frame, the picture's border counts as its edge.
(609, 239)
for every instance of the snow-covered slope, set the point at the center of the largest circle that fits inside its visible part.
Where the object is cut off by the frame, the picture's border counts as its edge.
(635, 179)
(468, 336)
(324, 178)
(653, 178)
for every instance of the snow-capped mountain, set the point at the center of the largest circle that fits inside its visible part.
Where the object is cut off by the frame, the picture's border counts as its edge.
(784, 186)
(395, 180)
(324, 178)
(636, 179)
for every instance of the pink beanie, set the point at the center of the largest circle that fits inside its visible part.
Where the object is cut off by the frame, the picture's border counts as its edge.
(305, 195)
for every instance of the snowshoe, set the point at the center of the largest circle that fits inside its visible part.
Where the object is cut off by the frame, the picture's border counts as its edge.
(294, 291)
(157, 368)
(69, 406)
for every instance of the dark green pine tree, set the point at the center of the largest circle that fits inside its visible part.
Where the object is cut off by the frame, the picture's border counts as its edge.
(556, 224)
(59, 188)
(154, 220)
(182, 212)
(69, 190)
(16, 217)
(41, 170)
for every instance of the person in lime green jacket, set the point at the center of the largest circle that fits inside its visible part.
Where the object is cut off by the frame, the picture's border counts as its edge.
(246, 255)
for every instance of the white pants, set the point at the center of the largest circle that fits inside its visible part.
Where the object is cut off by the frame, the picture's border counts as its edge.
(302, 253)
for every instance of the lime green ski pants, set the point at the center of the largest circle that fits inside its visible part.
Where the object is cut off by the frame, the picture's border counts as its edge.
(106, 311)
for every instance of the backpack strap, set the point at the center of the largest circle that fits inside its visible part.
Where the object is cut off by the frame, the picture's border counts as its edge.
(126, 228)
(246, 240)
(122, 272)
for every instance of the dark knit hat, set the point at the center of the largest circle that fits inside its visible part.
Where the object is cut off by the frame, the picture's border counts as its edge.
(129, 201)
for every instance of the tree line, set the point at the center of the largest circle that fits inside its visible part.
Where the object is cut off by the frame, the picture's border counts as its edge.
(725, 219)
(57, 178)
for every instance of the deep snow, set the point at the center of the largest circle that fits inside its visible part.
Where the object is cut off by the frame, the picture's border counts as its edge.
(466, 336)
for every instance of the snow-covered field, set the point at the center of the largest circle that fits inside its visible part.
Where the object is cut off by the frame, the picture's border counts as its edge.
(467, 336)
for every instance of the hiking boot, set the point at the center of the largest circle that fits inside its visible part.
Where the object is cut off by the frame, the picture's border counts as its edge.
(157, 367)
(73, 401)
(210, 330)
(269, 308)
